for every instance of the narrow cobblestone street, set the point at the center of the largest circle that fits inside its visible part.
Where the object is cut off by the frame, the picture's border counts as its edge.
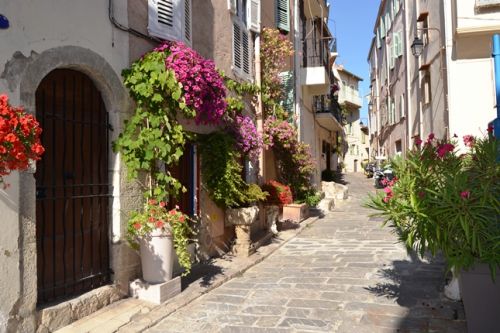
(342, 274)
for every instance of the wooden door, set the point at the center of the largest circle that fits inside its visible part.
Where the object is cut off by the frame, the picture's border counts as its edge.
(72, 187)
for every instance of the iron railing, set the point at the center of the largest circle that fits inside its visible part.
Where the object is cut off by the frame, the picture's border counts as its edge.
(326, 104)
(316, 52)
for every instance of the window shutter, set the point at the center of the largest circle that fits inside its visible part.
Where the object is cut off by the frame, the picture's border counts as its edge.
(396, 7)
(287, 83)
(393, 54)
(237, 56)
(246, 51)
(400, 44)
(241, 50)
(393, 111)
(382, 27)
(379, 44)
(187, 21)
(402, 106)
(282, 15)
(164, 19)
(254, 15)
(232, 6)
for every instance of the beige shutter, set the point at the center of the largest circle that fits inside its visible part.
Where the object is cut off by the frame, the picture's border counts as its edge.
(283, 15)
(254, 15)
(232, 6)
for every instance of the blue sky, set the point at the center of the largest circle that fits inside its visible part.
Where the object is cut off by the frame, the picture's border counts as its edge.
(352, 23)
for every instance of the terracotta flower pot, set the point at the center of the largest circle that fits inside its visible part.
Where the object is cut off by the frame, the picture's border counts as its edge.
(157, 257)
(295, 212)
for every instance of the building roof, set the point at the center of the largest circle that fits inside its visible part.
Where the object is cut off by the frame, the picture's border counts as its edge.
(342, 69)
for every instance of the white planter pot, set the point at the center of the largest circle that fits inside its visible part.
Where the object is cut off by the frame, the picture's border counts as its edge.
(157, 257)
(241, 216)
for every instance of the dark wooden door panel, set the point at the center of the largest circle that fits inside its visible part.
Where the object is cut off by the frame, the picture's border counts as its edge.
(73, 190)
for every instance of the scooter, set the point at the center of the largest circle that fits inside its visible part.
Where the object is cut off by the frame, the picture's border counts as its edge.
(383, 176)
(369, 170)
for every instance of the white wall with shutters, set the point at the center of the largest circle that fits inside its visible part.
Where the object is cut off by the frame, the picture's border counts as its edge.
(170, 19)
(283, 15)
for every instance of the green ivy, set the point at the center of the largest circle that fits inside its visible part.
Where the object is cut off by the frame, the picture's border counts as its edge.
(152, 139)
(222, 172)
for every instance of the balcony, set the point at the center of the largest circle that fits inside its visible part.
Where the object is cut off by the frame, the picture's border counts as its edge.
(316, 66)
(350, 96)
(328, 113)
(315, 8)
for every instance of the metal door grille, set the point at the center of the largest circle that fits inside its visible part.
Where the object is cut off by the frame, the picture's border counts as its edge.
(72, 187)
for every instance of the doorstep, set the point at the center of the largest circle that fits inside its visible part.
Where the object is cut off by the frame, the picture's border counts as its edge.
(133, 315)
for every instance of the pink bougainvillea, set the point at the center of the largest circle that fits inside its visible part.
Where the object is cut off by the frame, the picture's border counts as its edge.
(202, 85)
(248, 139)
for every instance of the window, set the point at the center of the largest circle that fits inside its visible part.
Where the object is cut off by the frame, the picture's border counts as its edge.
(246, 16)
(351, 149)
(426, 88)
(399, 147)
(287, 84)
(392, 57)
(398, 44)
(170, 19)
(363, 137)
(283, 15)
(382, 27)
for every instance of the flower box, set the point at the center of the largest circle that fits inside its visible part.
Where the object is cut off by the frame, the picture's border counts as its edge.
(295, 212)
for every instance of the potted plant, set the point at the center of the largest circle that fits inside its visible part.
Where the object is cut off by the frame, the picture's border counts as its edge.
(450, 203)
(222, 176)
(279, 196)
(19, 139)
(156, 232)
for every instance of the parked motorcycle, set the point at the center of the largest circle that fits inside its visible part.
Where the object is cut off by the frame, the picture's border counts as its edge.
(382, 177)
(369, 170)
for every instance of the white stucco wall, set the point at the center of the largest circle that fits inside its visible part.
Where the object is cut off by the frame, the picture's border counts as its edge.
(35, 27)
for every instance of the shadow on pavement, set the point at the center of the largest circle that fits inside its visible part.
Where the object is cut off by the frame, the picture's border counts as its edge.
(203, 272)
(418, 286)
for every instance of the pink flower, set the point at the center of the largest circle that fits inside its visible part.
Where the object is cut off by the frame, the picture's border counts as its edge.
(388, 190)
(418, 141)
(445, 148)
(163, 204)
(490, 128)
(137, 226)
(469, 140)
(465, 195)
(430, 137)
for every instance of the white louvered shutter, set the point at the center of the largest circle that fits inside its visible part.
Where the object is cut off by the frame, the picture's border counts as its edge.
(282, 15)
(232, 6)
(396, 6)
(163, 19)
(379, 44)
(402, 113)
(254, 15)
(393, 54)
(187, 22)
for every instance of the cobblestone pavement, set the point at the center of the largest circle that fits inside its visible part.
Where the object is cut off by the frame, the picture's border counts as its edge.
(343, 274)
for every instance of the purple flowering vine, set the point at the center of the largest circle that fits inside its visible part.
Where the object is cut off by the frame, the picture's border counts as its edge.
(202, 85)
(248, 139)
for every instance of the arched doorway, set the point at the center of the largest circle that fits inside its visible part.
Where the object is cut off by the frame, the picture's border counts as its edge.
(72, 187)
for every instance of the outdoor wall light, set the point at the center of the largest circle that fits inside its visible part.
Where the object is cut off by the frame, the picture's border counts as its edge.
(417, 46)
(4, 22)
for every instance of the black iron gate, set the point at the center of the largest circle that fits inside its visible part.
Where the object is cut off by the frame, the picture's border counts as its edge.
(72, 187)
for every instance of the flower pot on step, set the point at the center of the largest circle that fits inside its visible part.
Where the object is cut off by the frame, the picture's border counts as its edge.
(157, 257)
(295, 212)
(481, 297)
(242, 219)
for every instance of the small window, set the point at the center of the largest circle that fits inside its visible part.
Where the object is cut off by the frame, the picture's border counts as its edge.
(399, 147)
(426, 88)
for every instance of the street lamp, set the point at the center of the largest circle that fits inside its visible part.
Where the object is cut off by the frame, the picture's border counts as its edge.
(417, 46)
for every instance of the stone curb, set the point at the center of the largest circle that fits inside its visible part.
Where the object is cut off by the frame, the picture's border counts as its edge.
(141, 322)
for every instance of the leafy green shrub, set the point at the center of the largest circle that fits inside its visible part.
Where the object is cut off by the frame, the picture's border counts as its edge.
(313, 199)
(222, 173)
(445, 202)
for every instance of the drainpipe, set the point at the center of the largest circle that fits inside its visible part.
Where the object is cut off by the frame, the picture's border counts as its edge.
(260, 113)
(496, 58)
(298, 49)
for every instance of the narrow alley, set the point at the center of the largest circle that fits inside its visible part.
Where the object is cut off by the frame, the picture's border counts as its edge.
(342, 274)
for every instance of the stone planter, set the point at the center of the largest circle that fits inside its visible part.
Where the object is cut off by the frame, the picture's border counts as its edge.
(157, 257)
(295, 212)
(272, 213)
(242, 219)
(481, 297)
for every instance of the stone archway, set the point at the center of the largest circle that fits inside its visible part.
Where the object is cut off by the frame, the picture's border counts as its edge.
(116, 103)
